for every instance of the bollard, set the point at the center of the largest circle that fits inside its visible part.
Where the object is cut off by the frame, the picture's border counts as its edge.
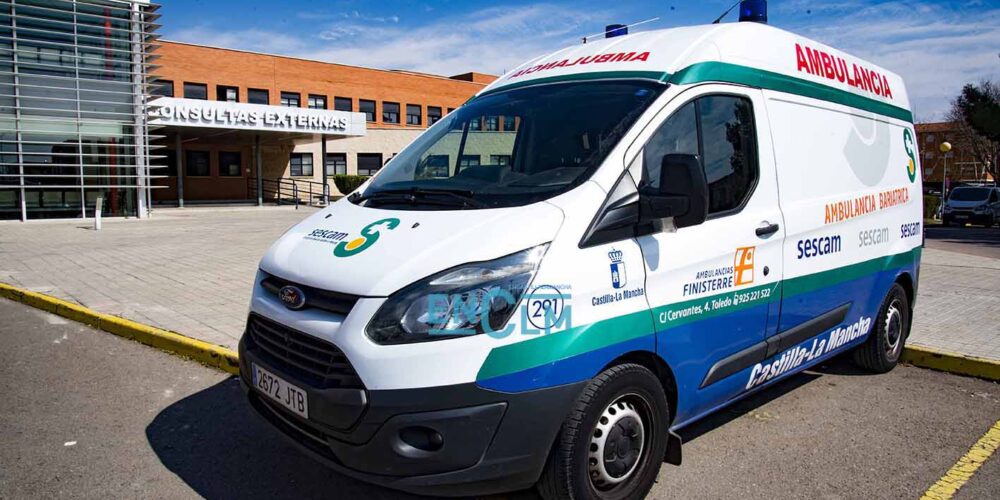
(295, 194)
(97, 213)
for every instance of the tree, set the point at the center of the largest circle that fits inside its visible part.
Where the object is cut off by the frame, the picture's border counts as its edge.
(976, 116)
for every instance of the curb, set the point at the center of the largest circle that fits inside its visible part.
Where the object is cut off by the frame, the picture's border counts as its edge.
(165, 340)
(228, 361)
(951, 362)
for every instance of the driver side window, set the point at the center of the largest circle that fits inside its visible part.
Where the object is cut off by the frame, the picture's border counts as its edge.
(719, 129)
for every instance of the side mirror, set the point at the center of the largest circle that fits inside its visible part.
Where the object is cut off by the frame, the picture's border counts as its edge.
(683, 192)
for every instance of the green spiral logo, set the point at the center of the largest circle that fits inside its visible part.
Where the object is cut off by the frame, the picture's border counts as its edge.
(911, 167)
(369, 235)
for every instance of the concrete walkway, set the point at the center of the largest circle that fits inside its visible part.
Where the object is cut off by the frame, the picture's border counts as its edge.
(191, 270)
(188, 270)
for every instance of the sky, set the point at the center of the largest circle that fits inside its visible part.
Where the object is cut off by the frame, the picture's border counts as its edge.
(937, 46)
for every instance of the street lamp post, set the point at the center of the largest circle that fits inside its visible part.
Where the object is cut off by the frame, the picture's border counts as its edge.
(945, 149)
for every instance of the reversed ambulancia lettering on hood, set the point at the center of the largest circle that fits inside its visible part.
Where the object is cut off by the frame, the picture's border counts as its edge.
(595, 59)
(803, 353)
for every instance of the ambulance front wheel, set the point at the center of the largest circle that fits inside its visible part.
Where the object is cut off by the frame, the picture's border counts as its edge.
(884, 346)
(613, 441)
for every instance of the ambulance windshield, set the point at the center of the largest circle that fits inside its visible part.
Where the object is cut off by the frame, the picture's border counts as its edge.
(513, 147)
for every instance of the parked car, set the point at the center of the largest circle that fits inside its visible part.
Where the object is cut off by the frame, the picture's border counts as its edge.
(972, 204)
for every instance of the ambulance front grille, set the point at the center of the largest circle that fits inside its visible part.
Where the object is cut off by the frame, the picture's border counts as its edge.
(315, 361)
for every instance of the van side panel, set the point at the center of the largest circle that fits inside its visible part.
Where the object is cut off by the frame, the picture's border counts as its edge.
(851, 194)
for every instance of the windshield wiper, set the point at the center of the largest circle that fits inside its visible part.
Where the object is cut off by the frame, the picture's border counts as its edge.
(460, 197)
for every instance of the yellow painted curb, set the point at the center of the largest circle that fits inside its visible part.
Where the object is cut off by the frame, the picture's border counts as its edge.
(963, 470)
(952, 362)
(173, 342)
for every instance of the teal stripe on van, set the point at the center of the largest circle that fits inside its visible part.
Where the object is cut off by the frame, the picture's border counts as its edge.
(538, 351)
(733, 73)
(576, 77)
(752, 77)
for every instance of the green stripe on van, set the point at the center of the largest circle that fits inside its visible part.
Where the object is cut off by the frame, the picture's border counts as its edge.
(733, 73)
(758, 78)
(581, 339)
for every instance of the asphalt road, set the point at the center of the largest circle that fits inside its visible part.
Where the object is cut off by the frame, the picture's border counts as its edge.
(90, 415)
(981, 241)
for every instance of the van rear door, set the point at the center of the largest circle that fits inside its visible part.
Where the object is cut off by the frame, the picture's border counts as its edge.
(711, 286)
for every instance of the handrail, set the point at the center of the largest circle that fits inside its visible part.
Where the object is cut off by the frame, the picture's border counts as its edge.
(285, 190)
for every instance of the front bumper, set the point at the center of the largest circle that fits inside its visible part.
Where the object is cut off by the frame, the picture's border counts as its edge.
(490, 442)
(967, 217)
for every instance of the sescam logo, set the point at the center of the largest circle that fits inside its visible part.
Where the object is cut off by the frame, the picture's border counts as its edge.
(794, 357)
(911, 166)
(823, 245)
(369, 235)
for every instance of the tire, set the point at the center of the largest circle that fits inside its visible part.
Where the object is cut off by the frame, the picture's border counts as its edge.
(881, 352)
(603, 418)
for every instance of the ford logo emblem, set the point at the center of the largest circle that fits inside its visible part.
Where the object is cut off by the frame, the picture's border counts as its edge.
(292, 297)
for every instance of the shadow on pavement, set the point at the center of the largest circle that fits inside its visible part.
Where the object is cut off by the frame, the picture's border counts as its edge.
(840, 365)
(214, 442)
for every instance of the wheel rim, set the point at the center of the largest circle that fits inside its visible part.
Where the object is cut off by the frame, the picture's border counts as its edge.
(893, 329)
(618, 441)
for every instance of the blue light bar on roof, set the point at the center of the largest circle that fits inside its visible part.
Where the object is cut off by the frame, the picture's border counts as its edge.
(753, 11)
(613, 30)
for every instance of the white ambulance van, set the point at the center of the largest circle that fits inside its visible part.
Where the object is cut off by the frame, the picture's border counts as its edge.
(603, 246)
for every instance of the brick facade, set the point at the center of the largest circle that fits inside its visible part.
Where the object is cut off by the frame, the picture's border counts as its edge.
(217, 68)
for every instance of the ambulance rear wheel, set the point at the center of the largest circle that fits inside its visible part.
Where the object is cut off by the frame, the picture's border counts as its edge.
(613, 441)
(884, 346)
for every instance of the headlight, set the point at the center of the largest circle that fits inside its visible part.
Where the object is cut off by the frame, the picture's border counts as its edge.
(947, 208)
(470, 299)
(981, 208)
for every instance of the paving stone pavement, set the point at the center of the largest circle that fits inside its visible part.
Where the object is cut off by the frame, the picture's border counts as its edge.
(187, 270)
(190, 270)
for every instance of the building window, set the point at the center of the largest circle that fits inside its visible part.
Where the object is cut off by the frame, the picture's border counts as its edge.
(475, 124)
(433, 114)
(434, 167)
(509, 124)
(369, 163)
(290, 99)
(197, 164)
(195, 91)
(368, 108)
(930, 139)
(301, 164)
(230, 164)
(343, 104)
(413, 114)
(316, 101)
(169, 161)
(468, 161)
(163, 88)
(500, 160)
(336, 163)
(228, 94)
(492, 123)
(390, 112)
(258, 96)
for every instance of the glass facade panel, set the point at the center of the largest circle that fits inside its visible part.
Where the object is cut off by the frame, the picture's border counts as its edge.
(72, 122)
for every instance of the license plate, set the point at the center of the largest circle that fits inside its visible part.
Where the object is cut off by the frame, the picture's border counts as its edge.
(281, 391)
(961, 217)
